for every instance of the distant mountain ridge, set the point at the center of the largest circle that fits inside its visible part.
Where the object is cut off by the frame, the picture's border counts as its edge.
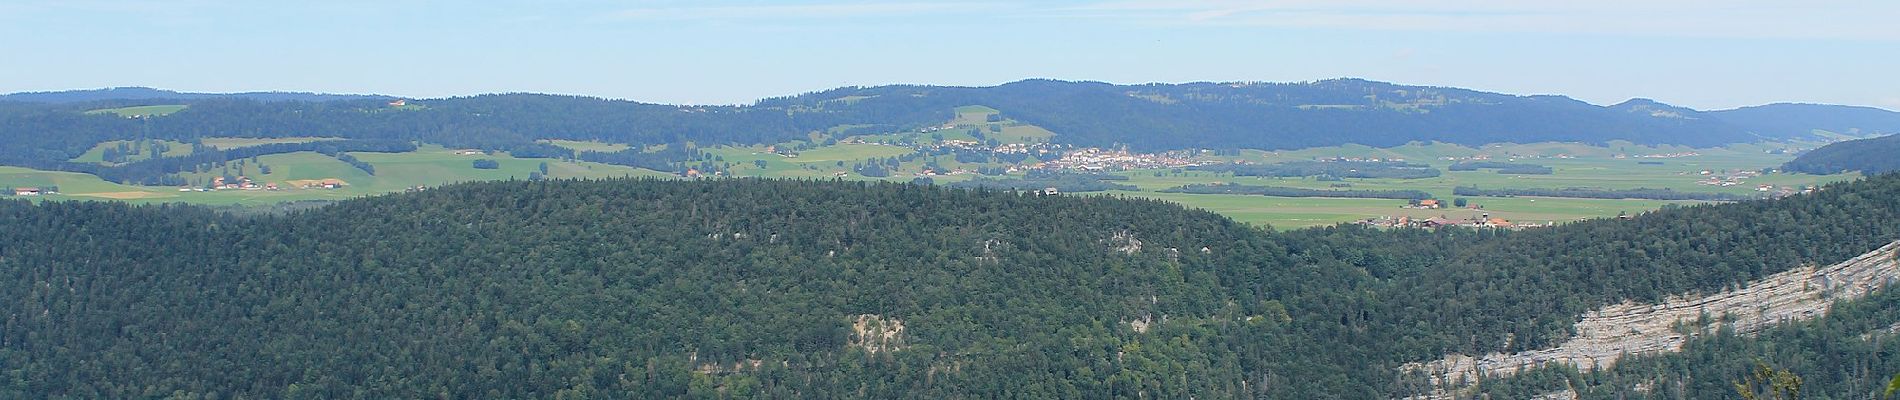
(1340, 111)
(1794, 117)
(146, 93)
(1145, 117)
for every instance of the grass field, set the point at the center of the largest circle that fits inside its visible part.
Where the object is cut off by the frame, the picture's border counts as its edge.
(429, 166)
(973, 115)
(69, 183)
(578, 145)
(1011, 131)
(140, 111)
(822, 162)
(227, 143)
(97, 153)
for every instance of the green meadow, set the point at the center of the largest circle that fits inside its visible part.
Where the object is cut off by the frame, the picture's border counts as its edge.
(395, 172)
(141, 111)
(578, 145)
(97, 153)
(227, 143)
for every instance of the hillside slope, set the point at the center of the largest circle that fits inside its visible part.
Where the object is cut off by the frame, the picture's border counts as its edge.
(787, 289)
(1870, 156)
(1798, 120)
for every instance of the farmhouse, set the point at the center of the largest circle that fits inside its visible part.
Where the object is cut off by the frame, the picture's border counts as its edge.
(26, 191)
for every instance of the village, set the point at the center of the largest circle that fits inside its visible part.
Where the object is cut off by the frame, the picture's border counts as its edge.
(245, 183)
(1097, 160)
(1507, 157)
(1738, 178)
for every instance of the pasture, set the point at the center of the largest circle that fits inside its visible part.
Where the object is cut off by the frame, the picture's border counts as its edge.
(96, 155)
(141, 111)
(395, 172)
(227, 143)
(578, 145)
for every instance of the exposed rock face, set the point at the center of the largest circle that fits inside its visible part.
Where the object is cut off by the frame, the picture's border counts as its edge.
(1141, 325)
(1605, 334)
(875, 333)
(1125, 242)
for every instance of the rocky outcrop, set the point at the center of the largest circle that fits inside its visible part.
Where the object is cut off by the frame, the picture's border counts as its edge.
(875, 333)
(1606, 334)
(1125, 242)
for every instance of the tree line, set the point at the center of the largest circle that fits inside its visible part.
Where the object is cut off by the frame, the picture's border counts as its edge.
(1281, 191)
(1599, 193)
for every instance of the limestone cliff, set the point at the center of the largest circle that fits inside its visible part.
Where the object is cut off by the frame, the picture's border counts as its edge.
(1605, 334)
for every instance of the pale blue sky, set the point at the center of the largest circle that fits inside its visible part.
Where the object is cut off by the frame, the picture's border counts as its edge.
(1700, 53)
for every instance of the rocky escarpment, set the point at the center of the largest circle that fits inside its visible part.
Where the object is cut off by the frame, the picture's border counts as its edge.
(1608, 333)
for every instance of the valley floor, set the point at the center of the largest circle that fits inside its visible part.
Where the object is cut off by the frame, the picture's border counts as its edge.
(1619, 166)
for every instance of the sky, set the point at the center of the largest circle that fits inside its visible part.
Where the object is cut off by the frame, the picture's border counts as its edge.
(1704, 54)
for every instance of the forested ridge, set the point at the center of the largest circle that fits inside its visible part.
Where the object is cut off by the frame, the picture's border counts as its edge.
(1870, 156)
(1149, 117)
(750, 288)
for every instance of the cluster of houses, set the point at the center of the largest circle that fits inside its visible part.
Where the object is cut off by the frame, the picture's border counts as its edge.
(241, 183)
(1426, 204)
(1785, 191)
(245, 183)
(1036, 149)
(33, 191)
(1663, 155)
(1725, 179)
(1480, 221)
(1027, 148)
(1511, 157)
(1357, 159)
(1095, 159)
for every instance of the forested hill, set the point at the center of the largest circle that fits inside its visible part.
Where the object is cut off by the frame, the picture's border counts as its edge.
(810, 289)
(53, 127)
(1871, 156)
(145, 93)
(1298, 115)
(1789, 119)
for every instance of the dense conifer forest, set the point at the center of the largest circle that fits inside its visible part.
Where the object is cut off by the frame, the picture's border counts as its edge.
(786, 289)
